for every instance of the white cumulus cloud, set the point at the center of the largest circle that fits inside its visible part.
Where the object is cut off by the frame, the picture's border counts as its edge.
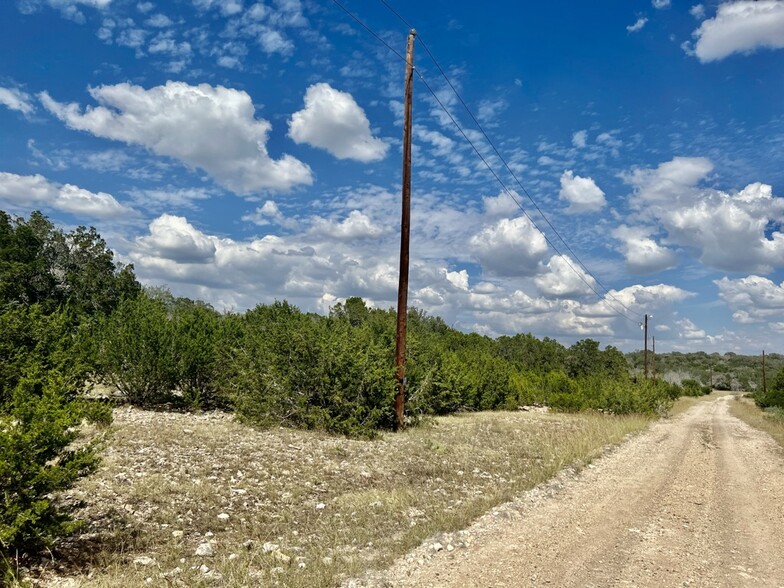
(642, 253)
(688, 330)
(582, 194)
(206, 127)
(740, 27)
(332, 120)
(729, 231)
(564, 279)
(356, 226)
(33, 191)
(174, 238)
(753, 299)
(15, 99)
(510, 247)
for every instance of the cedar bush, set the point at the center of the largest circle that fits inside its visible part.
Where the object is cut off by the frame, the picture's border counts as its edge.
(301, 370)
(775, 394)
(38, 458)
(137, 350)
(197, 336)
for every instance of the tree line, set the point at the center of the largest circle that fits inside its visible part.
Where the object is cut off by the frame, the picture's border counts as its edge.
(71, 318)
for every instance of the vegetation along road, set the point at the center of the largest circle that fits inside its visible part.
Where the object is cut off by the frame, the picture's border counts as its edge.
(695, 501)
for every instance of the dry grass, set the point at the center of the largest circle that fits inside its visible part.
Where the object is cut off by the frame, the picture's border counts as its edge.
(770, 422)
(316, 508)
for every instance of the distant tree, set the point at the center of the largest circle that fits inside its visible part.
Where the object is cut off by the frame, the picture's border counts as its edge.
(584, 359)
(39, 264)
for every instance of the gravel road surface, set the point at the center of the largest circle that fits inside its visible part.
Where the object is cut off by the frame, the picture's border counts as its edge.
(696, 501)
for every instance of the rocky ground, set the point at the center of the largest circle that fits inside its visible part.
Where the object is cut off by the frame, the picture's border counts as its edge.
(202, 500)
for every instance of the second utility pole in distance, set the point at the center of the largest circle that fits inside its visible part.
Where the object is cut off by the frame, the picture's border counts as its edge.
(405, 230)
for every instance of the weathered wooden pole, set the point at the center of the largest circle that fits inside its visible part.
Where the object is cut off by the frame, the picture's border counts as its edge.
(653, 359)
(645, 353)
(405, 231)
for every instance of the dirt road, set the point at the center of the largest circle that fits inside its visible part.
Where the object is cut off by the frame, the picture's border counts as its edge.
(695, 501)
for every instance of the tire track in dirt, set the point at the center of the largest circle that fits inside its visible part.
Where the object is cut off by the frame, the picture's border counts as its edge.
(695, 501)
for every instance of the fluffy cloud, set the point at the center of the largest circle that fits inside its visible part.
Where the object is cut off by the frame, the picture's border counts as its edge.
(227, 7)
(734, 232)
(15, 99)
(697, 11)
(510, 247)
(740, 27)
(332, 120)
(563, 278)
(688, 330)
(175, 239)
(356, 226)
(582, 194)
(643, 255)
(501, 205)
(68, 8)
(660, 4)
(753, 299)
(638, 25)
(638, 299)
(212, 128)
(314, 270)
(580, 139)
(32, 191)
(670, 180)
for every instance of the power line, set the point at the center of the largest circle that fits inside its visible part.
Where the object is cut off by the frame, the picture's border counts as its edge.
(520, 206)
(491, 170)
(506, 165)
(368, 29)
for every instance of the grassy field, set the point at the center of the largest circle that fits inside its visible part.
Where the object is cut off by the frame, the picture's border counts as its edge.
(302, 509)
(770, 422)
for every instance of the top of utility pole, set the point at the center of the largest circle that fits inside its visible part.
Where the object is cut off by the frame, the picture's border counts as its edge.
(412, 32)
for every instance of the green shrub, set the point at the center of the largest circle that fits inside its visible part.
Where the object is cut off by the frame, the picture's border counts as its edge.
(33, 341)
(775, 394)
(38, 458)
(289, 368)
(197, 336)
(137, 350)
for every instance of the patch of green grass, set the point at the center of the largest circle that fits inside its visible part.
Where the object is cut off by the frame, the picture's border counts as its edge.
(333, 507)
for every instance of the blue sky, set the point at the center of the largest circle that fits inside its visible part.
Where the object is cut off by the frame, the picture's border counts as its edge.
(242, 152)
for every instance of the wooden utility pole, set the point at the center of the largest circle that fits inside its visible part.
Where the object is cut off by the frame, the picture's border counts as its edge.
(653, 359)
(645, 354)
(405, 230)
(764, 382)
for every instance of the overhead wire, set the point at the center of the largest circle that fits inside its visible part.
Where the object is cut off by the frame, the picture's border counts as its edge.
(501, 158)
(505, 189)
(520, 206)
